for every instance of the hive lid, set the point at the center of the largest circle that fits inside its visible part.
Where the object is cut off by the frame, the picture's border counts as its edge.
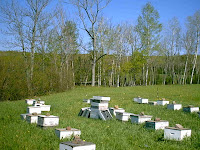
(64, 129)
(141, 116)
(71, 144)
(177, 127)
(103, 98)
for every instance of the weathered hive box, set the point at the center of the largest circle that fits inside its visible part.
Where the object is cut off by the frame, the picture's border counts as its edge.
(138, 119)
(67, 133)
(23, 116)
(45, 107)
(114, 110)
(32, 118)
(156, 125)
(34, 109)
(136, 99)
(99, 102)
(30, 101)
(48, 121)
(73, 146)
(39, 101)
(143, 101)
(162, 102)
(124, 116)
(152, 103)
(174, 106)
(191, 109)
(172, 133)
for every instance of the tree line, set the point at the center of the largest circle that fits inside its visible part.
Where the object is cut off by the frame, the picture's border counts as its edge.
(51, 59)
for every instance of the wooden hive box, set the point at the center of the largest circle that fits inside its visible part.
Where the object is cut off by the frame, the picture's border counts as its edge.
(138, 119)
(114, 110)
(156, 125)
(34, 109)
(143, 101)
(64, 133)
(45, 107)
(39, 101)
(162, 102)
(23, 116)
(48, 121)
(190, 109)
(174, 106)
(123, 116)
(32, 118)
(72, 146)
(30, 101)
(172, 133)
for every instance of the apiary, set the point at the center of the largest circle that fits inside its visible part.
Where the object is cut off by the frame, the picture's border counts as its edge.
(67, 132)
(77, 144)
(177, 133)
(48, 120)
(34, 109)
(23, 116)
(113, 110)
(152, 103)
(191, 109)
(123, 116)
(162, 102)
(30, 101)
(156, 124)
(174, 106)
(139, 118)
(32, 118)
(98, 110)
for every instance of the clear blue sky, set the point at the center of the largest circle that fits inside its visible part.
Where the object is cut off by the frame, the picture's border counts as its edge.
(128, 10)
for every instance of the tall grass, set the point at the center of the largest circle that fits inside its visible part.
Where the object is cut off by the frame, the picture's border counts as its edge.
(107, 135)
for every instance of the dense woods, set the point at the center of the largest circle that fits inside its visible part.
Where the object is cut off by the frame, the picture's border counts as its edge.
(52, 56)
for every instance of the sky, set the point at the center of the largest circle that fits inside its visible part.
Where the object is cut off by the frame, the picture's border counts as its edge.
(120, 11)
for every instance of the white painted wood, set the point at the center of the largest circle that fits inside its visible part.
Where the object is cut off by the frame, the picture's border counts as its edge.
(23, 116)
(152, 103)
(138, 119)
(100, 106)
(71, 146)
(37, 104)
(64, 133)
(191, 109)
(171, 133)
(32, 118)
(45, 107)
(174, 106)
(162, 102)
(34, 109)
(101, 98)
(114, 110)
(41, 102)
(156, 125)
(143, 100)
(124, 116)
(48, 121)
(136, 99)
(30, 101)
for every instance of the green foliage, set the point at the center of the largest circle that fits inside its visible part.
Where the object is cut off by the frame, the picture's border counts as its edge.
(107, 135)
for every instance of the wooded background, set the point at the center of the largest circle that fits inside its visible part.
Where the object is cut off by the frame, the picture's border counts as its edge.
(53, 57)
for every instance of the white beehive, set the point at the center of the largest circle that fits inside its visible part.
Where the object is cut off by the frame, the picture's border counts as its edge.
(173, 133)
(143, 101)
(103, 98)
(99, 106)
(114, 110)
(30, 101)
(34, 109)
(124, 116)
(32, 118)
(73, 146)
(48, 121)
(86, 101)
(67, 133)
(37, 104)
(174, 106)
(138, 119)
(45, 107)
(23, 116)
(156, 125)
(191, 109)
(39, 101)
(162, 102)
(136, 99)
(152, 103)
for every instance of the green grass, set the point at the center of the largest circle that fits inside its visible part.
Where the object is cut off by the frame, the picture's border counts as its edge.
(107, 135)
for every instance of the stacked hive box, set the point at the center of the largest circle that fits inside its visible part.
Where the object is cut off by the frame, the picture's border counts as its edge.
(98, 110)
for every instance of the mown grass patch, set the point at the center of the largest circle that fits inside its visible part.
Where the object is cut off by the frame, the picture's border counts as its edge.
(107, 135)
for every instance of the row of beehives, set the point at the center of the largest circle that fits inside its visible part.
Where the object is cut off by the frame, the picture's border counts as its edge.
(172, 106)
(33, 115)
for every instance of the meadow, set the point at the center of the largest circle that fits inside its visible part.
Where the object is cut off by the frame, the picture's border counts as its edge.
(107, 135)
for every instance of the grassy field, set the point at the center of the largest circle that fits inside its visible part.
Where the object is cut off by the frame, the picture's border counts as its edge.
(107, 135)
